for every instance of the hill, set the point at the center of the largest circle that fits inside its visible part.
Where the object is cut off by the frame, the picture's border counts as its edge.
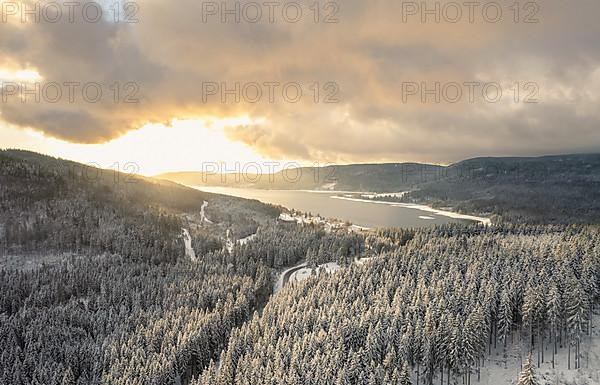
(557, 189)
(54, 205)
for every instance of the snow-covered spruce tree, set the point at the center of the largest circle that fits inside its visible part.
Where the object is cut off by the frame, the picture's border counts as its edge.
(505, 316)
(404, 378)
(528, 376)
(578, 308)
(555, 317)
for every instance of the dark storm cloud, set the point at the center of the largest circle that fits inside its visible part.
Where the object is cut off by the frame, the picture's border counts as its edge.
(370, 54)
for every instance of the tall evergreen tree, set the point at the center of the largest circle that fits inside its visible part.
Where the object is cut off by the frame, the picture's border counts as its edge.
(528, 376)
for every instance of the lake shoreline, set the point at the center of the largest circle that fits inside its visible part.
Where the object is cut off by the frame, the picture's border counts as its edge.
(429, 209)
(355, 196)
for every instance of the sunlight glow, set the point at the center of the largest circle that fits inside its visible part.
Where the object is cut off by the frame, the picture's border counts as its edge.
(156, 148)
(28, 75)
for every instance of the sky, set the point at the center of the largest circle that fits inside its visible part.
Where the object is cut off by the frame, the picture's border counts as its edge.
(171, 86)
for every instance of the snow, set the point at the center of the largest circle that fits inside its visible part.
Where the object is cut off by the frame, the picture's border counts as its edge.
(496, 372)
(329, 186)
(287, 217)
(203, 217)
(280, 281)
(450, 214)
(229, 244)
(249, 238)
(187, 240)
(301, 272)
(305, 272)
(362, 261)
(385, 195)
(426, 217)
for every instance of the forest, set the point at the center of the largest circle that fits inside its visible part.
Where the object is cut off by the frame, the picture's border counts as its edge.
(433, 309)
(111, 297)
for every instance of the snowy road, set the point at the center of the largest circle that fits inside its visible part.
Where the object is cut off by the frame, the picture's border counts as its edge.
(189, 250)
(203, 217)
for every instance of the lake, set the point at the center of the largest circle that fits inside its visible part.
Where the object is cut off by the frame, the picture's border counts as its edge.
(336, 205)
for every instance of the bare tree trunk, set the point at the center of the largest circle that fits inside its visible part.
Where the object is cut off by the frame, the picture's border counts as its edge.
(553, 336)
(561, 337)
(569, 357)
(542, 343)
(495, 334)
(490, 344)
(578, 353)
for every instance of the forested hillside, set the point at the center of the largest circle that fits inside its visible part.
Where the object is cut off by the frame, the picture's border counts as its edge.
(432, 310)
(556, 189)
(115, 297)
(549, 189)
(120, 302)
(52, 205)
(113, 320)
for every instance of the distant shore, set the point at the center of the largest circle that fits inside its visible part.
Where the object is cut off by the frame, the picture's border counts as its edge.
(449, 214)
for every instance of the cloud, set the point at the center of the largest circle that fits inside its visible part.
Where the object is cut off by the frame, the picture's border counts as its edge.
(370, 55)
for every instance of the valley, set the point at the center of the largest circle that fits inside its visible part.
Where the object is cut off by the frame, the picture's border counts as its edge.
(170, 285)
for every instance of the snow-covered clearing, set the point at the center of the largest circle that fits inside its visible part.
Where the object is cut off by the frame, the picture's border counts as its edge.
(385, 195)
(285, 275)
(249, 238)
(230, 244)
(301, 218)
(301, 272)
(497, 372)
(450, 214)
(189, 250)
(362, 261)
(328, 224)
(329, 186)
(305, 272)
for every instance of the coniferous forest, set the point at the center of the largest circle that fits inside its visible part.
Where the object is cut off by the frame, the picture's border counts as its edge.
(97, 286)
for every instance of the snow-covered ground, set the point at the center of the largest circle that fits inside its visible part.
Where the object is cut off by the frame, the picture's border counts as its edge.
(281, 280)
(301, 272)
(328, 224)
(385, 195)
(187, 240)
(495, 372)
(450, 214)
(229, 244)
(203, 217)
(329, 186)
(501, 370)
(305, 272)
(249, 238)
(362, 261)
